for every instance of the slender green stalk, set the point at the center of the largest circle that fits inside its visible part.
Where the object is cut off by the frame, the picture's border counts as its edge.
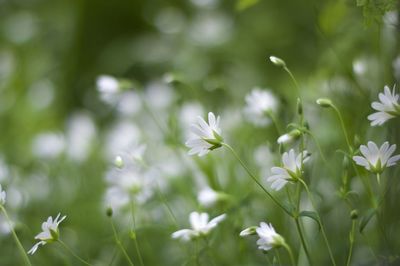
(16, 239)
(278, 257)
(343, 127)
(318, 146)
(302, 239)
(255, 179)
(293, 79)
(289, 250)
(118, 242)
(134, 231)
(319, 222)
(72, 252)
(351, 237)
(275, 122)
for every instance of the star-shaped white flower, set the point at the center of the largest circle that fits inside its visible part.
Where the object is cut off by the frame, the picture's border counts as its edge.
(2, 196)
(258, 105)
(387, 108)
(376, 159)
(208, 136)
(268, 237)
(200, 226)
(49, 233)
(291, 170)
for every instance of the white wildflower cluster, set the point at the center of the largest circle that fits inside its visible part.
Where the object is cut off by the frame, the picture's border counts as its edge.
(260, 105)
(268, 238)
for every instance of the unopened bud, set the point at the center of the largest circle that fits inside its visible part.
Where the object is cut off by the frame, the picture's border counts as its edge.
(119, 162)
(354, 214)
(109, 212)
(249, 231)
(289, 137)
(324, 102)
(299, 107)
(277, 61)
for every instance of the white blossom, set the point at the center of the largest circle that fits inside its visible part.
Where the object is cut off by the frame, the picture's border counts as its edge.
(291, 170)
(208, 136)
(2, 196)
(387, 108)
(207, 197)
(259, 103)
(268, 237)
(376, 159)
(49, 232)
(200, 226)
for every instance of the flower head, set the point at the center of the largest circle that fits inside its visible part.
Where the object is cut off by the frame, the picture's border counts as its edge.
(208, 136)
(49, 234)
(259, 103)
(268, 237)
(207, 197)
(376, 159)
(200, 226)
(291, 170)
(2, 196)
(387, 108)
(289, 137)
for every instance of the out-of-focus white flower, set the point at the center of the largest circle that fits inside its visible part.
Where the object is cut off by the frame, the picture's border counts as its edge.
(207, 197)
(50, 233)
(289, 137)
(291, 170)
(376, 159)
(268, 237)
(48, 145)
(2, 196)
(200, 226)
(387, 108)
(208, 136)
(259, 103)
(107, 84)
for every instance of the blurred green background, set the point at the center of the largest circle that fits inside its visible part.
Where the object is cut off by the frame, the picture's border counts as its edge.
(184, 58)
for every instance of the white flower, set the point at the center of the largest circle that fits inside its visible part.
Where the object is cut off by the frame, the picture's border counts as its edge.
(277, 61)
(289, 137)
(207, 197)
(268, 237)
(377, 159)
(258, 105)
(49, 234)
(107, 84)
(387, 108)
(200, 226)
(2, 196)
(208, 136)
(291, 170)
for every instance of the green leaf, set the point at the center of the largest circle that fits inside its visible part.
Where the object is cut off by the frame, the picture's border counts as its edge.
(310, 214)
(366, 218)
(244, 4)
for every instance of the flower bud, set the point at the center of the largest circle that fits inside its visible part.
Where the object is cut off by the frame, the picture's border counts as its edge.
(249, 231)
(324, 102)
(299, 107)
(354, 214)
(119, 162)
(289, 137)
(277, 61)
(109, 212)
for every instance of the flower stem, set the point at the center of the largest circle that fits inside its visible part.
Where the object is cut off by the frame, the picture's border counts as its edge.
(351, 237)
(72, 252)
(118, 242)
(16, 239)
(289, 250)
(319, 222)
(293, 79)
(134, 231)
(255, 179)
(302, 239)
(343, 127)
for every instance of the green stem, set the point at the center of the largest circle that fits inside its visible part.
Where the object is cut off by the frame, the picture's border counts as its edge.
(319, 221)
(72, 252)
(275, 122)
(343, 127)
(16, 239)
(289, 250)
(119, 244)
(134, 231)
(302, 239)
(353, 227)
(293, 79)
(255, 179)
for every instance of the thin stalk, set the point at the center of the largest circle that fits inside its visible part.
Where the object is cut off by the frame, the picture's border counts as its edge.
(302, 239)
(319, 222)
(351, 237)
(275, 122)
(134, 231)
(119, 244)
(255, 179)
(278, 257)
(343, 127)
(72, 252)
(293, 79)
(16, 239)
(289, 250)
